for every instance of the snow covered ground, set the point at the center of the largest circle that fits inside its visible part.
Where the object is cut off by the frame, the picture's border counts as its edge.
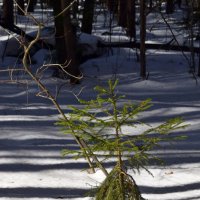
(31, 165)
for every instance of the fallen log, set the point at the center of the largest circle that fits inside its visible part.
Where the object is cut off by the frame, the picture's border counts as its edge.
(15, 29)
(160, 46)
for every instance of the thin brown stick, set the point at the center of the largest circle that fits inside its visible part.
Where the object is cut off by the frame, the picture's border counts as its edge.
(84, 147)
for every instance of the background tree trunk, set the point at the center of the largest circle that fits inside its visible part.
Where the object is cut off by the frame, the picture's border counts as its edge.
(88, 13)
(70, 44)
(142, 39)
(112, 5)
(7, 15)
(191, 34)
(65, 39)
(59, 34)
(170, 6)
(122, 13)
(179, 3)
(131, 17)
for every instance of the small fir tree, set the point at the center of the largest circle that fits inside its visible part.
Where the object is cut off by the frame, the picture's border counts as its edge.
(106, 139)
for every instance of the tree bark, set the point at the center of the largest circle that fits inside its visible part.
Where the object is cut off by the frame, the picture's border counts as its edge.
(159, 46)
(65, 40)
(7, 15)
(70, 45)
(112, 5)
(179, 3)
(59, 34)
(170, 6)
(131, 17)
(88, 13)
(122, 13)
(142, 39)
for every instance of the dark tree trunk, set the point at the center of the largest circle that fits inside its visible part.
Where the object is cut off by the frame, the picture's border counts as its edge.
(7, 15)
(199, 65)
(7, 20)
(112, 5)
(131, 17)
(59, 34)
(199, 47)
(65, 40)
(88, 13)
(191, 34)
(179, 3)
(122, 13)
(142, 39)
(187, 2)
(75, 9)
(170, 6)
(70, 45)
